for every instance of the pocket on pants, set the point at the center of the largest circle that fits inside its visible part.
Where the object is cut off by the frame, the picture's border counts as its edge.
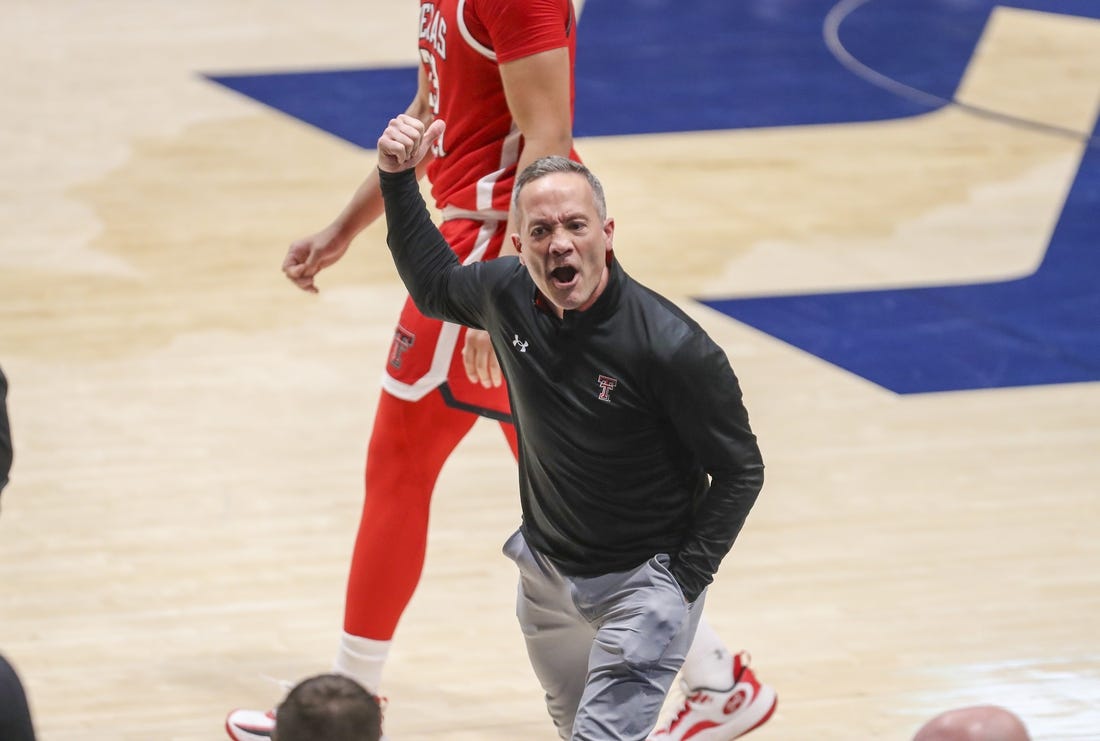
(645, 613)
(661, 563)
(514, 546)
(516, 549)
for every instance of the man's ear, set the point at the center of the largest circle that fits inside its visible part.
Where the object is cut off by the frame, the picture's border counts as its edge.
(518, 245)
(609, 240)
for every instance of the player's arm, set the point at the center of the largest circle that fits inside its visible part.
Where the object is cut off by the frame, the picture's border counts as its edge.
(308, 256)
(440, 285)
(367, 205)
(537, 88)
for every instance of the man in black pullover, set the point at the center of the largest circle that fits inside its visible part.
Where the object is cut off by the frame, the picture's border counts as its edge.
(637, 464)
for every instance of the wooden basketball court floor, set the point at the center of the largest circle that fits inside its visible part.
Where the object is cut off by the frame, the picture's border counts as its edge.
(190, 429)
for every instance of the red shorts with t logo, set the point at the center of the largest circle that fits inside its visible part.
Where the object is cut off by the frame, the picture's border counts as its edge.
(426, 354)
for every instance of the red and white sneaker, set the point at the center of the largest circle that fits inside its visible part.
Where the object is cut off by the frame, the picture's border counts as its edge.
(250, 725)
(721, 715)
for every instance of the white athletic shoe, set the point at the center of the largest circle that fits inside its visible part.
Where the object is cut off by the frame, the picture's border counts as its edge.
(721, 715)
(250, 725)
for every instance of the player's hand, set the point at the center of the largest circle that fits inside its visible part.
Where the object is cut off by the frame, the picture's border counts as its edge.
(406, 141)
(310, 255)
(480, 360)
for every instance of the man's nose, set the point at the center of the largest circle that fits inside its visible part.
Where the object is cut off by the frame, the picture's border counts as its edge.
(561, 241)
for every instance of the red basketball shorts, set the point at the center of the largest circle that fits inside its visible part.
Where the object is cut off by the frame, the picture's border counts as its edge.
(426, 354)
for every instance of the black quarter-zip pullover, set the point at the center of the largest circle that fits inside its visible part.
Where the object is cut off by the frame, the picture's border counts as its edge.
(633, 437)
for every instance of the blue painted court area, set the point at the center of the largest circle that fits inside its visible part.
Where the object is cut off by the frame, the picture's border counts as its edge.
(1037, 330)
(716, 64)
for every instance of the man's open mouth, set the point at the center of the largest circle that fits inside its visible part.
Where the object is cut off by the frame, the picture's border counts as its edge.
(563, 275)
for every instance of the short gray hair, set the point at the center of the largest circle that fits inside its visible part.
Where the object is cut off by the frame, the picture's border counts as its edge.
(554, 163)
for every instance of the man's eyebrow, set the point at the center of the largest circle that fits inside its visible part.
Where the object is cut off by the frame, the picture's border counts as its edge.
(544, 220)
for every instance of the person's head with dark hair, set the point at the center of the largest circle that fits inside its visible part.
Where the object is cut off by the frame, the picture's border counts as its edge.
(328, 707)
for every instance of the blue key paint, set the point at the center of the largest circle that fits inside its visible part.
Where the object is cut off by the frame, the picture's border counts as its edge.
(658, 66)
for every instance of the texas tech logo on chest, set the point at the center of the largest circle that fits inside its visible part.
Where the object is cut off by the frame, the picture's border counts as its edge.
(607, 383)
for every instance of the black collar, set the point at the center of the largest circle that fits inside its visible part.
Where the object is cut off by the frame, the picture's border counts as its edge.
(603, 307)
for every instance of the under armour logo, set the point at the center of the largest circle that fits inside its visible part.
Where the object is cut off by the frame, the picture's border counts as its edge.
(521, 344)
(402, 341)
(606, 384)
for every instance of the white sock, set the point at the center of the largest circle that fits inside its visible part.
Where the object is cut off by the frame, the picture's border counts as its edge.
(708, 663)
(362, 659)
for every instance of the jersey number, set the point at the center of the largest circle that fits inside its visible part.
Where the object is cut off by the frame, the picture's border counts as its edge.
(433, 96)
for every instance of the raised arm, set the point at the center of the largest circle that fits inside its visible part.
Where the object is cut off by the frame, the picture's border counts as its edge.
(538, 90)
(441, 287)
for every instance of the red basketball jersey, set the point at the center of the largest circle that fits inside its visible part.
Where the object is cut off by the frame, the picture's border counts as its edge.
(461, 44)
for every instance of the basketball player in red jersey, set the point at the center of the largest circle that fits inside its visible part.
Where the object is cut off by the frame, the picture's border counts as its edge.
(500, 73)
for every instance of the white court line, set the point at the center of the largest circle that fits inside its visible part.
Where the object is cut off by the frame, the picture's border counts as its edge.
(831, 33)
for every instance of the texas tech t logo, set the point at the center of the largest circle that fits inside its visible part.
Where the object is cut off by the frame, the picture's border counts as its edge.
(403, 339)
(606, 384)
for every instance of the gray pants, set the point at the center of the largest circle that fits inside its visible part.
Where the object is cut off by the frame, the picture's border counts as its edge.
(605, 648)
